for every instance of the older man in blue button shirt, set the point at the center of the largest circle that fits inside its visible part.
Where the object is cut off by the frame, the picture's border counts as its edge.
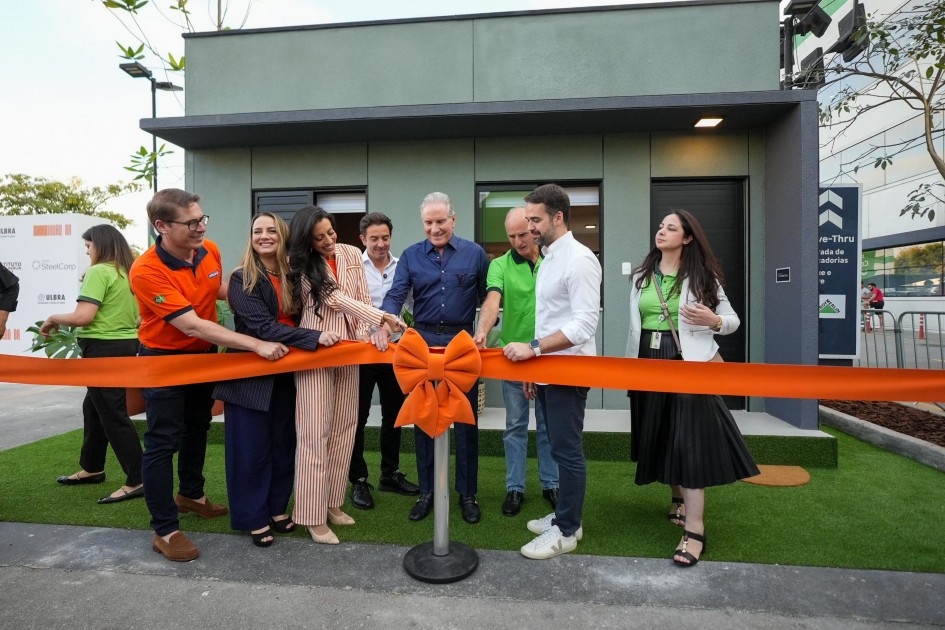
(448, 277)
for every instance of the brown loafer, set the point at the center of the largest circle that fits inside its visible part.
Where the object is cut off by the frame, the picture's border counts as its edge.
(179, 549)
(204, 510)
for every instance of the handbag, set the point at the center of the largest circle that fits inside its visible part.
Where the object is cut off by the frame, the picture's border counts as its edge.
(717, 358)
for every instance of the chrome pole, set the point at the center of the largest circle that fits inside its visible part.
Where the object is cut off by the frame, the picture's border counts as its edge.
(441, 496)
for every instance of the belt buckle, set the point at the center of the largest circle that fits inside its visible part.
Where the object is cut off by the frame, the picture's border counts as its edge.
(441, 329)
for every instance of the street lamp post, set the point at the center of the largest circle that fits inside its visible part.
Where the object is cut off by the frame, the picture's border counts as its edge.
(137, 71)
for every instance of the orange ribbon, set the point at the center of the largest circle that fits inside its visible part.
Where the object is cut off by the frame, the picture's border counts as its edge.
(455, 371)
(739, 379)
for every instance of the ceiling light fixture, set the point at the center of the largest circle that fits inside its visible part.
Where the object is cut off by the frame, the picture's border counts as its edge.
(709, 121)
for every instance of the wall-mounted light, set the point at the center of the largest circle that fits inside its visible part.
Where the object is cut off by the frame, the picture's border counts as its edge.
(707, 122)
(590, 227)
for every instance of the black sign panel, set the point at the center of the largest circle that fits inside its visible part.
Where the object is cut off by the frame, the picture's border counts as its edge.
(838, 271)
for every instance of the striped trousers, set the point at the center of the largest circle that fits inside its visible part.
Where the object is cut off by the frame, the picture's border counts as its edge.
(326, 418)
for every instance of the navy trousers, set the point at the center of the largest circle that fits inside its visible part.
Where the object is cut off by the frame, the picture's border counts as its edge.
(564, 417)
(392, 399)
(467, 440)
(260, 457)
(178, 421)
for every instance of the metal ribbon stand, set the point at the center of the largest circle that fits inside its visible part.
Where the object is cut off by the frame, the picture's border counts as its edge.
(441, 561)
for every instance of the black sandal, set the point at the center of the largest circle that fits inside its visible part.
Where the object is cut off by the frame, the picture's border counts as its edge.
(676, 517)
(258, 538)
(681, 551)
(285, 526)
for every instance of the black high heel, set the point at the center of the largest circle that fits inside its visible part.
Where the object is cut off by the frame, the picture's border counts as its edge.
(258, 538)
(676, 517)
(285, 526)
(681, 551)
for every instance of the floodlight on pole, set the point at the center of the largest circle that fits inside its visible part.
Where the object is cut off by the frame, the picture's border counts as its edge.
(135, 70)
(138, 71)
(802, 17)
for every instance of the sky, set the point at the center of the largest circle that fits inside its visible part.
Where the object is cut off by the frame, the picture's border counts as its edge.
(67, 110)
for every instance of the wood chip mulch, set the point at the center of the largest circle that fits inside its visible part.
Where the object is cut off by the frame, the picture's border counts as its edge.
(900, 418)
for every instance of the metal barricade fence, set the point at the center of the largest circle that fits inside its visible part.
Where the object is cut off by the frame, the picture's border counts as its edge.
(913, 340)
(921, 340)
(879, 345)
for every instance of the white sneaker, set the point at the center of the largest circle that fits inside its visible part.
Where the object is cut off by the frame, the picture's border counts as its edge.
(542, 525)
(550, 544)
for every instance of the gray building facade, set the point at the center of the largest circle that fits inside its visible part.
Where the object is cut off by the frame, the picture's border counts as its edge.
(602, 100)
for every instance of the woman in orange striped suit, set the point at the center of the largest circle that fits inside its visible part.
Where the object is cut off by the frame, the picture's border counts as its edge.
(331, 290)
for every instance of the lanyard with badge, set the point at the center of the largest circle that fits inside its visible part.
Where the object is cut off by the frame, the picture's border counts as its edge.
(664, 315)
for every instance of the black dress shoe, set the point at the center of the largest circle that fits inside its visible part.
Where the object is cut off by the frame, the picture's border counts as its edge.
(513, 503)
(398, 483)
(471, 512)
(551, 496)
(134, 494)
(361, 495)
(69, 480)
(422, 507)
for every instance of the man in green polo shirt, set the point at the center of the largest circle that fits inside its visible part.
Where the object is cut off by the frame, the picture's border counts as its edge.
(511, 285)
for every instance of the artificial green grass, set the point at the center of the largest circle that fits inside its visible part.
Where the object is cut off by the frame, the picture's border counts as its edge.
(876, 510)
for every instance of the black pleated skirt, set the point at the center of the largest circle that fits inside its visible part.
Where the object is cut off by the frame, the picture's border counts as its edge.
(688, 440)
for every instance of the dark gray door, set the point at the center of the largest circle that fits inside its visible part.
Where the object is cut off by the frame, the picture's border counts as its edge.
(719, 205)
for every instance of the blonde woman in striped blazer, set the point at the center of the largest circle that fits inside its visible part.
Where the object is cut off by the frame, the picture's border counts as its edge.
(332, 294)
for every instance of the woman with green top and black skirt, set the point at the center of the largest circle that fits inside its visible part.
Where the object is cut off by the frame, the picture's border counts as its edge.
(107, 315)
(687, 441)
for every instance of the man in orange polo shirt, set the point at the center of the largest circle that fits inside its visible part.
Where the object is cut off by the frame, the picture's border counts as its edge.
(177, 283)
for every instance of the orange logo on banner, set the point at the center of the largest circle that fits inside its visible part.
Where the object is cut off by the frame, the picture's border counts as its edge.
(12, 334)
(52, 230)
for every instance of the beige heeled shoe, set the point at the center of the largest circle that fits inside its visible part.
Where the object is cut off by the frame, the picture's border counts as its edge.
(323, 539)
(340, 519)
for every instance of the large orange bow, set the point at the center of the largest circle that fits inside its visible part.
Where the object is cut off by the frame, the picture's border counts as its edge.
(456, 370)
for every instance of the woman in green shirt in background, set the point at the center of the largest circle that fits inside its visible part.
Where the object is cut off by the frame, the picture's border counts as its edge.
(107, 315)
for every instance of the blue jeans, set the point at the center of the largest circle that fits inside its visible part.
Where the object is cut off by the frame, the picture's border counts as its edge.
(515, 439)
(564, 407)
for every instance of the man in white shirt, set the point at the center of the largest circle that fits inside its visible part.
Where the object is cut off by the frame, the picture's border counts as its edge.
(567, 308)
(379, 267)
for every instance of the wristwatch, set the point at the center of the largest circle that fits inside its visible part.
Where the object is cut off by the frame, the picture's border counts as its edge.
(535, 346)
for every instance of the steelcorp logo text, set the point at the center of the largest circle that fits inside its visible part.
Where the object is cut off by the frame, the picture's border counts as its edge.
(13, 265)
(45, 265)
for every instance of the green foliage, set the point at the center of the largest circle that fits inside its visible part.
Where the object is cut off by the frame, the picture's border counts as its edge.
(143, 162)
(176, 64)
(921, 256)
(922, 198)
(224, 312)
(60, 344)
(131, 6)
(24, 195)
(903, 63)
(129, 52)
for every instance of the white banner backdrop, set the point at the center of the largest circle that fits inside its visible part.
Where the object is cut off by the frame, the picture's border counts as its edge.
(47, 254)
